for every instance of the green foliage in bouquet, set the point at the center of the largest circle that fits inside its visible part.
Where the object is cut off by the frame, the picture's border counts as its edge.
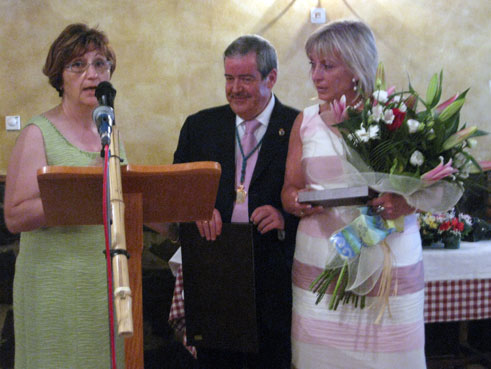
(322, 282)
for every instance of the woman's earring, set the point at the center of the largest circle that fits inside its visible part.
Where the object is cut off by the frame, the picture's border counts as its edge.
(355, 84)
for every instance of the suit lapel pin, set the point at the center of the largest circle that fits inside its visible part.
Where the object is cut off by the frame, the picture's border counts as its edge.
(281, 132)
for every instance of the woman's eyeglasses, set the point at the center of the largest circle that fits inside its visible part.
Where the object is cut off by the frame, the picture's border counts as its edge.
(80, 66)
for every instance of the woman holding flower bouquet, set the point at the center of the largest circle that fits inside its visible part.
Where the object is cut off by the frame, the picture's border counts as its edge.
(371, 327)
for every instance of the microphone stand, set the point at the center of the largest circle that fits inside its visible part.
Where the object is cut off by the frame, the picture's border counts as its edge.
(119, 255)
(103, 116)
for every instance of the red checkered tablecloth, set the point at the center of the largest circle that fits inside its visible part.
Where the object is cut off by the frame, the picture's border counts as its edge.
(177, 318)
(176, 315)
(447, 301)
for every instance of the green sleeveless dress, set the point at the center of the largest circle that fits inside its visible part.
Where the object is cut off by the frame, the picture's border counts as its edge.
(60, 285)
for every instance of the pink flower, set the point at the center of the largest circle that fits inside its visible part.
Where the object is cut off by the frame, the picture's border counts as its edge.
(440, 171)
(485, 165)
(391, 90)
(337, 113)
(443, 105)
(411, 101)
(339, 109)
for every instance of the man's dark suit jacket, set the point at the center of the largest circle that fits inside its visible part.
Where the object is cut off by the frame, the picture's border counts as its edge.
(209, 135)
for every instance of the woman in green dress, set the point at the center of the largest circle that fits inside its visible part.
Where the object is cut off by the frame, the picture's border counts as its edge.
(60, 285)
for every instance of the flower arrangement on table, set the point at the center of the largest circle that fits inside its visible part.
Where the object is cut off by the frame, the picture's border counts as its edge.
(447, 228)
(396, 146)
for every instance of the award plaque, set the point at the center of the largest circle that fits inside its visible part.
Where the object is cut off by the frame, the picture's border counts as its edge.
(342, 196)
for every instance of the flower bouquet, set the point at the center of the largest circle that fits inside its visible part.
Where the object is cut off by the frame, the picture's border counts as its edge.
(391, 135)
(447, 228)
(403, 143)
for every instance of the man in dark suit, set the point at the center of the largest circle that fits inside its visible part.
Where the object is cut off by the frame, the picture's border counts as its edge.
(217, 134)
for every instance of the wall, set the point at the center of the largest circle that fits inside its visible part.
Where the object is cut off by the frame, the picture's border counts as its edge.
(170, 64)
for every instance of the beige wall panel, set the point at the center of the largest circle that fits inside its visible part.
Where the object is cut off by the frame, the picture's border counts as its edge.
(169, 56)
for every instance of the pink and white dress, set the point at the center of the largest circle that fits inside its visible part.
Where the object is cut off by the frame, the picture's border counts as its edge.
(349, 337)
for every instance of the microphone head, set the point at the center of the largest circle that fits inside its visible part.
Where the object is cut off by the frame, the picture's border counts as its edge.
(103, 114)
(105, 94)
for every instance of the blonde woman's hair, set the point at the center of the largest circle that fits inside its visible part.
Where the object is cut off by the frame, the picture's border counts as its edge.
(354, 43)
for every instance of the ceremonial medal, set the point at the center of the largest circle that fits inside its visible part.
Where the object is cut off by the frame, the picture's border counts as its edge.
(241, 191)
(241, 195)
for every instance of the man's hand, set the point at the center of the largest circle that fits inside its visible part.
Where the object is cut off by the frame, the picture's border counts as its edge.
(210, 229)
(267, 218)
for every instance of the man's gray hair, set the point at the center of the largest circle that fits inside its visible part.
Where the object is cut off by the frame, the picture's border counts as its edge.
(266, 57)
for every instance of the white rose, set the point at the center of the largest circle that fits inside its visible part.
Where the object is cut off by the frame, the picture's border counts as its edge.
(413, 125)
(417, 158)
(381, 96)
(377, 112)
(388, 116)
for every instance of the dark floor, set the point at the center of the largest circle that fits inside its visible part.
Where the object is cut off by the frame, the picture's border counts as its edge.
(459, 345)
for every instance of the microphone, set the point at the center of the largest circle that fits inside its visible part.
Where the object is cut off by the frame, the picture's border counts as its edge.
(105, 94)
(103, 115)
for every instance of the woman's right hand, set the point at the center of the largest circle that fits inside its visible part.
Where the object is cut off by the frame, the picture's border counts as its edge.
(291, 204)
(308, 209)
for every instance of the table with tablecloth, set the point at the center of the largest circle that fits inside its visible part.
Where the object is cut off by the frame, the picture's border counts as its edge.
(458, 282)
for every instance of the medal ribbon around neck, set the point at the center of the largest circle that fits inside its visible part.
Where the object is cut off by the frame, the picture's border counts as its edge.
(246, 157)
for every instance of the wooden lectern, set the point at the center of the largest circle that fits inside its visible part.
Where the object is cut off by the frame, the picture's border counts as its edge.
(152, 194)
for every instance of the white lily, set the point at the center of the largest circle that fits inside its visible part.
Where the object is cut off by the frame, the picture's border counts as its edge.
(365, 135)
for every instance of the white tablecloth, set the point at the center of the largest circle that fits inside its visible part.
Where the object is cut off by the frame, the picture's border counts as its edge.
(471, 261)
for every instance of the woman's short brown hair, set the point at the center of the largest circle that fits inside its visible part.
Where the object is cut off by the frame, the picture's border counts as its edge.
(75, 40)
